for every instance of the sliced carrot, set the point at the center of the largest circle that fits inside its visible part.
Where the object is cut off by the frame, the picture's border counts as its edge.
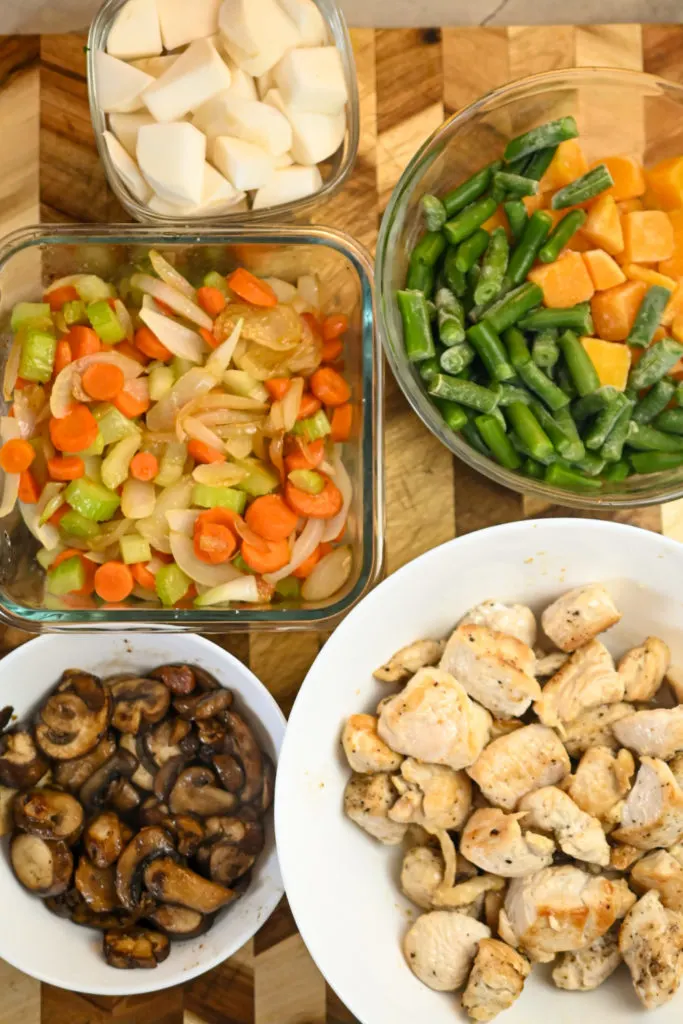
(277, 387)
(334, 325)
(204, 453)
(319, 506)
(311, 320)
(65, 555)
(16, 455)
(62, 355)
(665, 183)
(130, 405)
(211, 300)
(309, 564)
(673, 266)
(568, 164)
(150, 346)
(103, 381)
(142, 576)
(276, 556)
(57, 516)
(83, 341)
(113, 581)
(648, 236)
(20, 384)
(271, 518)
(132, 352)
(29, 491)
(66, 467)
(603, 225)
(214, 543)
(251, 288)
(58, 296)
(341, 422)
(309, 406)
(628, 176)
(330, 387)
(208, 337)
(144, 466)
(331, 350)
(307, 456)
(615, 310)
(162, 556)
(74, 432)
(564, 282)
(221, 516)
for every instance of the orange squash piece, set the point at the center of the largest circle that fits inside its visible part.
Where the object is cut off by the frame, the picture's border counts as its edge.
(638, 272)
(674, 265)
(674, 307)
(604, 271)
(648, 236)
(497, 220)
(564, 282)
(538, 202)
(603, 226)
(629, 205)
(568, 164)
(615, 310)
(612, 361)
(628, 175)
(665, 183)
(579, 242)
(677, 328)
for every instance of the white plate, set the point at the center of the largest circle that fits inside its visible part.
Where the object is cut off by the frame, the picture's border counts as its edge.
(64, 954)
(341, 885)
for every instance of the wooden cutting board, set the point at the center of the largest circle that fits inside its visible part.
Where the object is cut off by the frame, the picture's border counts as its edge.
(409, 80)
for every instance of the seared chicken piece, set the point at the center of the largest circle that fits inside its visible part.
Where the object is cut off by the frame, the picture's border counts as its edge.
(514, 619)
(657, 732)
(367, 801)
(651, 943)
(421, 875)
(496, 669)
(441, 946)
(504, 726)
(496, 980)
(583, 682)
(674, 678)
(661, 871)
(409, 660)
(561, 908)
(548, 664)
(578, 834)
(622, 856)
(676, 766)
(583, 970)
(494, 841)
(433, 796)
(516, 764)
(593, 728)
(601, 781)
(578, 616)
(365, 751)
(652, 815)
(643, 669)
(434, 720)
(493, 904)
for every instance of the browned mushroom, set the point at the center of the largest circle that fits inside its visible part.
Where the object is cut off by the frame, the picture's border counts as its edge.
(135, 947)
(187, 832)
(6, 803)
(21, 763)
(6, 717)
(170, 738)
(74, 717)
(97, 886)
(268, 784)
(71, 905)
(149, 843)
(123, 796)
(211, 733)
(205, 681)
(196, 792)
(104, 839)
(50, 814)
(42, 866)
(170, 882)
(229, 771)
(167, 776)
(203, 705)
(248, 835)
(152, 811)
(142, 776)
(180, 922)
(71, 775)
(228, 862)
(244, 746)
(137, 702)
(179, 679)
(94, 792)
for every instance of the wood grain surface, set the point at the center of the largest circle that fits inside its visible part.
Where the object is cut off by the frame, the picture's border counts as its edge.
(408, 81)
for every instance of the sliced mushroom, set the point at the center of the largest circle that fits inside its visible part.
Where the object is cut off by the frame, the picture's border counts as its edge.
(203, 705)
(196, 792)
(6, 804)
(179, 679)
(6, 717)
(74, 718)
(43, 867)
(138, 702)
(50, 814)
(187, 832)
(212, 733)
(141, 777)
(205, 681)
(104, 839)
(229, 771)
(268, 784)
(152, 811)
(97, 886)
(248, 835)
(148, 844)
(71, 775)
(245, 747)
(93, 793)
(136, 947)
(228, 862)
(21, 763)
(171, 738)
(180, 922)
(123, 796)
(167, 776)
(170, 882)
(72, 906)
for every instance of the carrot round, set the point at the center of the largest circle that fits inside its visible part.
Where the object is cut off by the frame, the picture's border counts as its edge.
(142, 576)
(113, 581)
(329, 386)
(150, 346)
(16, 455)
(277, 387)
(208, 337)
(220, 515)
(211, 300)
(130, 405)
(66, 467)
(334, 325)
(270, 518)
(331, 350)
(58, 296)
(275, 557)
(144, 466)
(62, 355)
(74, 432)
(317, 506)
(308, 407)
(83, 341)
(251, 289)
(342, 419)
(103, 381)
(214, 543)
(29, 492)
(306, 456)
(132, 352)
(203, 452)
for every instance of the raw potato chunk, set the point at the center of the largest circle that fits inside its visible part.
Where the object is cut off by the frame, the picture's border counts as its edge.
(583, 970)
(245, 165)
(126, 127)
(578, 616)
(586, 680)
(312, 79)
(119, 85)
(315, 137)
(288, 185)
(195, 77)
(155, 66)
(644, 668)
(135, 31)
(496, 980)
(651, 943)
(308, 20)
(127, 168)
(514, 765)
(496, 669)
(441, 946)
(228, 114)
(256, 33)
(365, 751)
(183, 22)
(171, 158)
(367, 799)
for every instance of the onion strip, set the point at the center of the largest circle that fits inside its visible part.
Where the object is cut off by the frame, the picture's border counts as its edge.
(181, 341)
(177, 301)
(305, 545)
(125, 319)
(168, 273)
(63, 387)
(220, 358)
(11, 369)
(194, 428)
(342, 479)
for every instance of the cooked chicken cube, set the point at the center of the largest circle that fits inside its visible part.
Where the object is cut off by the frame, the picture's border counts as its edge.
(586, 680)
(661, 871)
(651, 943)
(496, 980)
(548, 664)
(514, 619)
(434, 720)
(583, 970)
(674, 678)
(365, 751)
(513, 765)
(643, 669)
(409, 660)
(441, 946)
(622, 856)
(594, 728)
(421, 875)
(676, 766)
(657, 732)
(435, 797)
(578, 834)
(652, 815)
(601, 781)
(578, 616)
(494, 841)
(561, 908)
(367, 801)
(504, 726)
(496, 669)
(493, 904)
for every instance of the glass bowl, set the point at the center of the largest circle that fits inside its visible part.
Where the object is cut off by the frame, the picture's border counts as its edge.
(334, 171)
(34, 256)
(617, 112)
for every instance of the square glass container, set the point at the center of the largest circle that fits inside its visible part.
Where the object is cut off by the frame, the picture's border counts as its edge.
(334, 171)
(32, 257)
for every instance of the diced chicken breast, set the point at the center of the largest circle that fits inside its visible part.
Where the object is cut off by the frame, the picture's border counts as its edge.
(493, 904)
(578, 616)
(676, 766)
(421, 875)
(674, 678)
(495, 668)
(437, 797)
(494, 841)
(514, 619)
(651, 943)
(657, 732)
(585, 681)
(643, 669)
(440, 948)
(548, 664)
(496, 980)
(594, 728)
(583, 970)
(504, 726)
(367, 800)
(409, 660)
(601, 781)
(434, 720)
(578, 834)
(661, 871)
(652, 815)
(365, 751)
(514, 765)
(622, 856)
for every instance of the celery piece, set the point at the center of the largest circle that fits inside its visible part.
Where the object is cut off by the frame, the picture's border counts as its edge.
(314, 427)
(31, 314)
(73, 524)
(172, 464)
(75, 312)
(92, 288)
(161, 379)
(260, 480)
(289, 588)
(68, 576)
(96, 448)
(239, 382)
(45, 558)
(307, 480)
(242, 566)
(37, 355)
(105, 322)
(134, 548)
(171, 584)
(113, 424)
(116, 463)
(93, 465)
(215, 280)
(218, 497)
(92, 500)
(180, 366)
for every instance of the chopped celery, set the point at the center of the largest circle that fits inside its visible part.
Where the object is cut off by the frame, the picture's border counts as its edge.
(289, 588)
(31, 314)
(92, 288)
(113, 424)
(37, 355)
(93, 466)
(239, 382)
(45, 558)
(115, 464)
(92, 500)
(68, 576)
(74, 524)
(260, 480)
(314, 427)
(172, 464)
(307, 480)
(105, 322)
(216, 280)
(134, 548)
(218, 497)
(75, 312)
(180, 366)
(171, 584)
(161, 379)
(96, 448)
(242, 566)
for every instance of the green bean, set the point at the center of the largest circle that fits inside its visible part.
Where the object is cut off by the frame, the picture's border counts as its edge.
(420, 278)
(560, 235)
(590, 464)
(533, 469)
(670, 421)
(541, 384)
(679, 394)
(490, 350)
(515, 211)
(574, 318)
(450, 317)
(581, 369)
(569, 480)
(617, 472)
(569, 447)
(508, 393)
(656, 462)
(529, 430)
(431, 309)
(494, 436)
(549, 134)
(429, 249)
(493, 267)
(454, 415)
(606, 421)
(458, 198)
(455, 359)
(648, 316)
(417, 329)
(565, 421)
(545, 351)
(473, 438)
(589, 185)
(654, 402)
(453, 278)
(518, 350)
(519, 446)
(525, 252)
(594, 402)
(471, 249)
(511, 307)
(613, 447)
(538, 164)
(434, 212)
(468, 220)
(429, 368)
(649, 439)
(564, 381)
(465, 392)
(515, 184)
(656, 362)
(497, 192)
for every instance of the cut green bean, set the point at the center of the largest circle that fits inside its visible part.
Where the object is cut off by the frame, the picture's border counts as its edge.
(511, 307)
(589, 185)
(434, 212)
(529, 430)
(458, 198)
(545, 351)
(429, 249)
(420, 278)
(564, 419)
(453, 414)
(655, 363)
(654, 402)
(541, 384)
(453, 278)
(469, 220)
(590, 464)
(535, 233)
(656, 462)
(594, 402)
(431, 309)
(490, 350)
(464, 392)
(493, 267)
(509, 393)
(569, 480)
(450, 317)
(429, 368)
(471, 249)
(617, 472)
(515, 211)
(574, 318)
(560, 235)
(678, 397)
(533, 469)
(518, 350)
(549, 134)
(606, 421)
(538, 164)
(649, 439)
(497, 192)
(455, 359)
(473, 438)
(515, 184)
(613, 447)
(670, 421)
(564, 381)
(581, 369)
(417, 329)
(499, 444)
(569, 445)
(648, 316)
(519, 446)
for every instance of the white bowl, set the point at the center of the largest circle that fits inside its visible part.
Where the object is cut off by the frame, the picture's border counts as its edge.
(342, 886)
(64, 954)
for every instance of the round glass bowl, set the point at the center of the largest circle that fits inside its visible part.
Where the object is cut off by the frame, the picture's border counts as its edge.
(618, 112)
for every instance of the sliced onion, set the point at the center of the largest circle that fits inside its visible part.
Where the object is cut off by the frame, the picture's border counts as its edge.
(291, 403)
(239, 447)
(342, 479)
(138, 498)
(276, 455)
(230, 430)
(50, 500)
(168, 273)
(220, 358)
(194, 428)
(11, 369)
(182, 549)
(45, 532)
(244, 588)
(154, 565)
(24, 415)
(155, 529)
(173, 298)
(284, 291)
(144, 595)
(98, 557)
(309, 291)
(182, 520)
(247, 534)
(179, 340)
(276, 419)
(219, 474)
(110, 534)
(305, 545)
(64, 282)
(125, 319)
(329, 575)
(138, 389)
(192, 385)
(62, 389)
(224, 417)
